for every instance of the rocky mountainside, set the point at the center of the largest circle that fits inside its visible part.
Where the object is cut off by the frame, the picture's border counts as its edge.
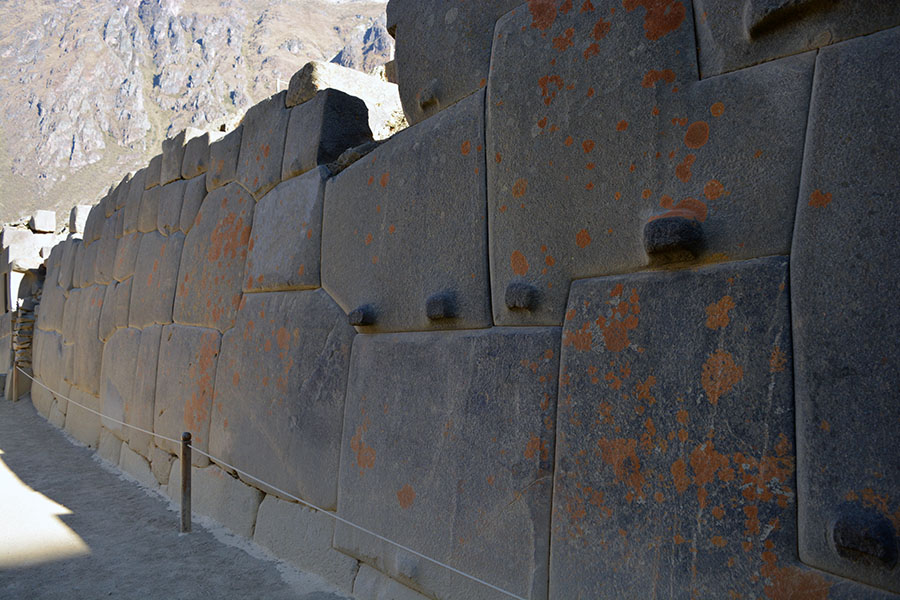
(89, 88)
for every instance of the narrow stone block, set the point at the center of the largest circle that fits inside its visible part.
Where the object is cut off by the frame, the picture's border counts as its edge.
(161, 464)
(168, 218)
(196, 154)
(224, 499)
(262, 145)
(78, 218)
(155, 277)
(132, 208)
(106, 252)
(67, 263)
(114, 313)
(285, 242)
(87, 345)
(43, 221)
(139, 408)
(173, 155)
(120, 196)
(81, 424)
(52, 308)
(127, 248)
(137, 466)
(194, 193)
(149, 212)
(117, 378)
(223, 160)
(110, 448)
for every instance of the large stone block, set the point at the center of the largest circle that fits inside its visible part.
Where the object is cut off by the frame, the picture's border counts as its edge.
(212, 264)
(375, 585)
(262, 145)
(280, 385)
(83, 424)
(320, 130)
(196, 154)
(117, 375)
(139, 408)
(132, 208)
(93, 227)
(110, 448)
(78, 218)
(43, 221)
(161, 464)
(137, 466)
(78, 265)
(845, 272)
(87, 275)
(443, 50)
(155, 277)
(106, 252)
(223, 160)
(127, 248)
(194, 193)
(219, 496)
(302, 537)
(52, 307)
(184, 386)
(606, 154)
(382, 98)
(71, 315)
(168, 218)
(87, 345)
(405, 227)
(456, 466)
(676, 437)
(286, 239)
(67, 263)
(733, 35)
(173, 155)
(149, 211)
(114, 313)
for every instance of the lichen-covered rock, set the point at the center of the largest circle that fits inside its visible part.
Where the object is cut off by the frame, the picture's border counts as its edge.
(262, 145)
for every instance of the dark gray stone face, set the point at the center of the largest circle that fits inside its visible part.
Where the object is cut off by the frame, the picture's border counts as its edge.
(416, 441)
(140, 407)
(845, 273)
(117, 377)
(443, 50)
(262, 145)
(168, 218)
(733, 34)
(155, 278)
(88, 347)
(279, 400)
(67, 263)
(223, 160)
(407, 222)
(194, 193)
(149, 211)
(106, 252)
(594, 131)
(676, 436)
(133, 202)
(126, 255)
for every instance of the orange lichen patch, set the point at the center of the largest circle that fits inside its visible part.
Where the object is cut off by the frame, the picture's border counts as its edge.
(498, 158)
(717, 109)
(751, 522)
(590, 92)
(720, 374)
(661, 17)
(587, 6)
(825, 425)
(683, 170)
(682, 416)
(601, 28)
(717, 313)
(583, 239)
(201, 375)
(466, 148)
(519, 188)
(371, 179)
(536, 447)
(587, 145)
(697, 134)
(622, 125)
(718, 541)
(545, 83)
(652, 76)
(564, 42)
(385, 178)
(229, 238)
(777, 360)
(405, 496)
(819, 200)
(518, 263)
(581, 338)
(646, 193)
(621, 455)
(282, 338)
(689, 207)
(542, 123)
(549, 260)
(679, 476)
(236, 379)
(543, 13)
(718, 512)
(713, 189)
(369, 239)
(365, 454)
(788, 583)
(592, 50)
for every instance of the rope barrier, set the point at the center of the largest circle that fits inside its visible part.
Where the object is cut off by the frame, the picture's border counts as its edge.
(301, 501)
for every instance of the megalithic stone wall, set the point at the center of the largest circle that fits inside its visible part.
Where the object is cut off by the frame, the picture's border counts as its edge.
(614, 318)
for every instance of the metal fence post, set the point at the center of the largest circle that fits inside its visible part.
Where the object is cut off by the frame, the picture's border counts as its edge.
(186, 482)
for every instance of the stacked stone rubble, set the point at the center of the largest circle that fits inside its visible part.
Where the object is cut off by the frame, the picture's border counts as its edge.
(612, 318)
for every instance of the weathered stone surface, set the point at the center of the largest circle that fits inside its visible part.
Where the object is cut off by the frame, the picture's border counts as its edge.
(52, 308)
(23, 244)
(844, 275)
(114, 314)
(117, 376)
(443, 50)
(132, 208)
(676, 436)
(212, 264)
(139, 409)
(382, 98)
(137, 466)
(120, 223)
(127, 248)
(70, 315)
(168, 218)
(81, 424)
(302, 537)
(408, 221)
(78, 266)
(106, 252)
(262, 145)
(321, 129)
(120, 196)
(149, 212)
(87, 345)
(43, 221)
(155, 277)
(593, 130)
(58, 414)
(285, 243)
(78, 218)
(196, 154)
(194, 193)
(280, 392)
(67, 263)
(485, 424)
(733, 35)
(219, 496)
(223, 160)
(110, 448)
(184, 386)
(378, 586)
(161, 464)
(173, 155)
(42, 399)
(93, 227)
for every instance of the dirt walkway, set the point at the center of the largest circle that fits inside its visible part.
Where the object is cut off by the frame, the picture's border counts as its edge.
(72, 528)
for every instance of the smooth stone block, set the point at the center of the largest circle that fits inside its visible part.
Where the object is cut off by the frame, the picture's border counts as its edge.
(42, 399)
(137, 466)
(132, 208)
(321, 129)
(168, 218)
(81, 424)
(78, 218)
(376, 585)
(139, 408)
(223, 160)
(302, 537)
(161, 465)
(408, 221)
(110, 448)
(280, 385)
(93, 227)
(43, 221)
(225, 499)
(285, 242)
(675, 436)
(155, 277)
(87, 345)
(194, 193)
(212, 264)
(845, 273)
(594, 131)
(184, 386)
(149, 212)
(127, 248)
(114, 313)
(196, 154)
(173, 155)
(52, 307)
(262, 145)
(120, 195)
(117, 377)
(67, 263)
(70, 315)
(106, 252)
(414, 444)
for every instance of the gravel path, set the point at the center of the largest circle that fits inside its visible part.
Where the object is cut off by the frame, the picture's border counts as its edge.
(72, 527)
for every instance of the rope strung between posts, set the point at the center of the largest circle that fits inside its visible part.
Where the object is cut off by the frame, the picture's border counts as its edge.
(303, 502)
